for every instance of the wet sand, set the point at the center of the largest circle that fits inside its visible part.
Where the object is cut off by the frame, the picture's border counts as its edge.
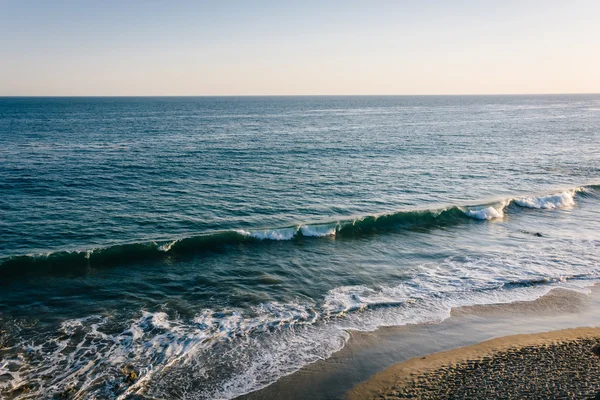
(559, 364)
(368, 353)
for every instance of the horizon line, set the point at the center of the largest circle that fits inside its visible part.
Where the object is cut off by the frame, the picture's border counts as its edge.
(301, 95)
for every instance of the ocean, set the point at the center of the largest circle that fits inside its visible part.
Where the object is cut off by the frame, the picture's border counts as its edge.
(212, 245)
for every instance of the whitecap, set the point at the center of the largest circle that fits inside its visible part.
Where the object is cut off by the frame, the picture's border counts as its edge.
(559, 200)
(487, 213)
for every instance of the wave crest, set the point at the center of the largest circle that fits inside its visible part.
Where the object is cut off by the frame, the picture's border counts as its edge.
(217, 241)
(559, 200)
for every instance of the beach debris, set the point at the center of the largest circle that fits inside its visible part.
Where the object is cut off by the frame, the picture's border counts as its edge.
(130, 374)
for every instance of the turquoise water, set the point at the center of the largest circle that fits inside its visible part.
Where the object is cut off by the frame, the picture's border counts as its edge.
(216, 244)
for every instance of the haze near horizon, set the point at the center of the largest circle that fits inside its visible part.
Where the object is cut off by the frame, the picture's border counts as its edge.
(70, 48)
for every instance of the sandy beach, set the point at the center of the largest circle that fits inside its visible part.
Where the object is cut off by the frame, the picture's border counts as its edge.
(559, 364)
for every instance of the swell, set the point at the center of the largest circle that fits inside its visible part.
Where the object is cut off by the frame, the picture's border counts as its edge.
(67, 261)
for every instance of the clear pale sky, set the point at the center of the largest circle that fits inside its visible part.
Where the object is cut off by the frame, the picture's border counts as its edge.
(301, 47)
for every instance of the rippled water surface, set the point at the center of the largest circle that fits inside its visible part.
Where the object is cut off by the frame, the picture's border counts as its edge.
(213, 245)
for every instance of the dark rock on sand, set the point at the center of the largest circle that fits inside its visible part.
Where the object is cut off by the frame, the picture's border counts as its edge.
(130, 374)
(131, 377)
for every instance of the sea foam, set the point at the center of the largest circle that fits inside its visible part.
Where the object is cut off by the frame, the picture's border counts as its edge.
(227, 353)
(487, 213)
(559, 200)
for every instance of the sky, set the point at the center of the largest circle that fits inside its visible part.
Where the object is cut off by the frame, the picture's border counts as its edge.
(195, 48)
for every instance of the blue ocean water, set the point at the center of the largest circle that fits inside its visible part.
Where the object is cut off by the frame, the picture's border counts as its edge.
(214, 245)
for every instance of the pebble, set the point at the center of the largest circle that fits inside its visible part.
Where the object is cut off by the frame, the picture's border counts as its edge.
(563, 370)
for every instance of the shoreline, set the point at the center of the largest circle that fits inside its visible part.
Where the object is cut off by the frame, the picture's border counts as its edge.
(420, 376)
(367, 354)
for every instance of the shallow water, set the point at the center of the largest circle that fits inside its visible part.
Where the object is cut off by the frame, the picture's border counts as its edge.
(217, 244)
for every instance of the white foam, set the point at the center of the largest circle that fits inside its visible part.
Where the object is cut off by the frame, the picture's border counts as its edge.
(290, 232)
(559, 200)
(487, 213)
(270, 234)
(167, 246)
(344, 299)
(160, 320)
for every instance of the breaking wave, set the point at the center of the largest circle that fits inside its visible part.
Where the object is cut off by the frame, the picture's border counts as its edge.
(564, 199)
(218, 241)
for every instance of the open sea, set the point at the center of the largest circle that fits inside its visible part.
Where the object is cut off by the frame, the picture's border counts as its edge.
(213, 245)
